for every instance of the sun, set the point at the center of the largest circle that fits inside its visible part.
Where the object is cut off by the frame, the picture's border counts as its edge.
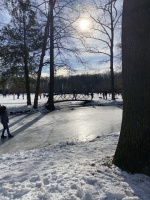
(84, 25)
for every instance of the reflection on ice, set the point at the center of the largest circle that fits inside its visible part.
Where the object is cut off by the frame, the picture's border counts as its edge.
(78, 124)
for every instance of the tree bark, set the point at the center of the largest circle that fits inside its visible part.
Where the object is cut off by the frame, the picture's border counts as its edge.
(133, 150)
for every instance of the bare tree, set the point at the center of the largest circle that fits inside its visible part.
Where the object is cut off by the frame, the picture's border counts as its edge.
(105, 18)
(60, 23)
(133, 150)
(57, 35)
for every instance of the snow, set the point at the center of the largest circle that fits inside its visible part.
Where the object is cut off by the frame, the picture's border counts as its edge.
(18, 106)
(68, 171)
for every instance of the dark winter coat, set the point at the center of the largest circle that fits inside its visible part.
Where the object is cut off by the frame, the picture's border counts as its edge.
(4, 118)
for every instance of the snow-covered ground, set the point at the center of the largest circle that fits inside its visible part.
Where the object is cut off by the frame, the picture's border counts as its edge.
(68, 171)
(15, 105)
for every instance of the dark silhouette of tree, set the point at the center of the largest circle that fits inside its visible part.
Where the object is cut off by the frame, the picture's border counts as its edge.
(20, 41)
(133, 150)
(50, 102)
(44, 45)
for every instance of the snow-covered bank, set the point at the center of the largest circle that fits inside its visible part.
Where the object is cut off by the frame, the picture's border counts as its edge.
(70, 171)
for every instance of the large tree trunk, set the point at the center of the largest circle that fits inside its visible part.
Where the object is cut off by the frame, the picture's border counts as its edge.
(133, 150)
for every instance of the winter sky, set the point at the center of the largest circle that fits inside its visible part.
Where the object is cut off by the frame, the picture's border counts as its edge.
(94, 62)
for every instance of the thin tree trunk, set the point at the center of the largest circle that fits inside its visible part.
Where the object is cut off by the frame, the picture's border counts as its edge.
(112, 55)
(27, 85)
(112, 73)
(133, 150)
(41, 64)
(50, 103)
(26, 69)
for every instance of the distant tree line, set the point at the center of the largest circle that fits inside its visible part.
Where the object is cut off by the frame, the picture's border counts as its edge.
(64, 84)
(87, 82)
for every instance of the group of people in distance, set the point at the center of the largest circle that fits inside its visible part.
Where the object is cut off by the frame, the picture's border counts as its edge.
(4, 121)
(75, 94)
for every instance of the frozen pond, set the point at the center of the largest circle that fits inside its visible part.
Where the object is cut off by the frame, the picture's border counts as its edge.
(73, 124)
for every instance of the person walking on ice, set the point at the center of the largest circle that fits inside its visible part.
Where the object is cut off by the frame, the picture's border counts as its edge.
(92, 95)
(4, 121)
(74, 94)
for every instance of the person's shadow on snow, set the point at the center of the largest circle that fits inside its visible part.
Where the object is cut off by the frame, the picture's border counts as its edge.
(23, 127)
